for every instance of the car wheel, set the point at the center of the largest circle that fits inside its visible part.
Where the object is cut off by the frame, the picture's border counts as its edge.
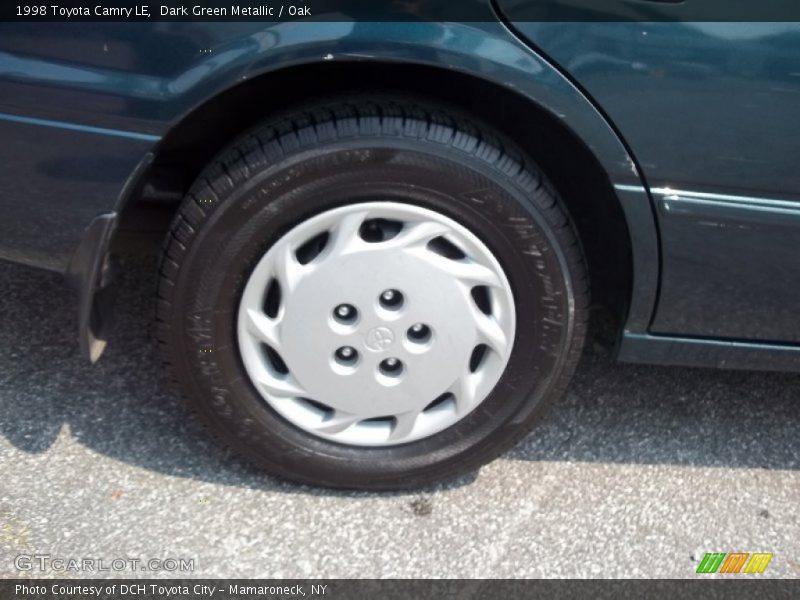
(371, 294)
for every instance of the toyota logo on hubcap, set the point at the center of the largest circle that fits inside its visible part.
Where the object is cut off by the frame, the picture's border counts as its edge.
(379, 339)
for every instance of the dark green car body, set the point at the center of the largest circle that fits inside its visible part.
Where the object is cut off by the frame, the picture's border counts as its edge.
(683, 139)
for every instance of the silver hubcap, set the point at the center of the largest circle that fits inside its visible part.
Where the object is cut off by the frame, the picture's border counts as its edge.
(376, 324)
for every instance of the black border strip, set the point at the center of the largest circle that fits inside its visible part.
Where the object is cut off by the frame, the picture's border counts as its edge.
(275, 11)
(711, 587)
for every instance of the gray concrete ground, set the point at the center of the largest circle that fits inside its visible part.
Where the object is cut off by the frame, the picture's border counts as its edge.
(636, 473)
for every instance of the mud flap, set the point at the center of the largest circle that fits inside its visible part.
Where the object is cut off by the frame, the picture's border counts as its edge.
(89, 274)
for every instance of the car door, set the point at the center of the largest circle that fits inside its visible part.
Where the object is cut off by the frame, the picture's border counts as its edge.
(710, 112)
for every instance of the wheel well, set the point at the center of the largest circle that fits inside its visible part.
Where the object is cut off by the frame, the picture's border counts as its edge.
(571, 166)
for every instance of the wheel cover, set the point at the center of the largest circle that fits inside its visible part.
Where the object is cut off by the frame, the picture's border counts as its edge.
(376, 324)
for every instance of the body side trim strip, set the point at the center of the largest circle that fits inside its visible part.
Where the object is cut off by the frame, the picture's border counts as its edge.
(83, 128)
(727, 199)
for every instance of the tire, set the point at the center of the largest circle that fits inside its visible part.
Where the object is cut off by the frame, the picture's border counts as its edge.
(322, 161)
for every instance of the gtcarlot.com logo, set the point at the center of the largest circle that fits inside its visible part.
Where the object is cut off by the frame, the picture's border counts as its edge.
(734, 563)
(46, 562)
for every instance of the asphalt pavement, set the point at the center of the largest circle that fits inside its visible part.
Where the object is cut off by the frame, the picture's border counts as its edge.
(637, 472)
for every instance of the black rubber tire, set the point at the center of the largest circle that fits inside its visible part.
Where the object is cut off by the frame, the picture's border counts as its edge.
(314, 159)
